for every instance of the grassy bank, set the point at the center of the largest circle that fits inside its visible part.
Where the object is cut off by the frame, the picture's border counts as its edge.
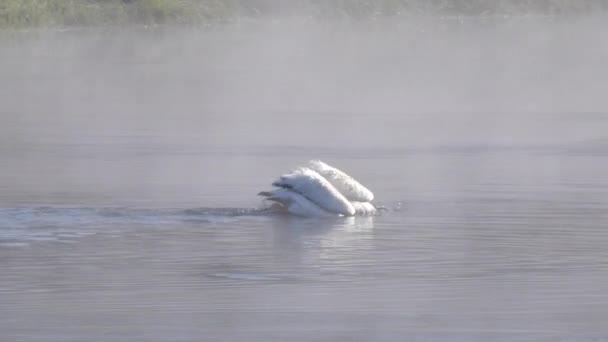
(62, 13)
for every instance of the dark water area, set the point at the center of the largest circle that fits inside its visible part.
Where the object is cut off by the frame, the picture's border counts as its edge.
(131, 159)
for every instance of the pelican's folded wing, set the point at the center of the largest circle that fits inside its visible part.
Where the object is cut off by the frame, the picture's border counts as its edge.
(364, 208)
(295, 203)
(345, 184)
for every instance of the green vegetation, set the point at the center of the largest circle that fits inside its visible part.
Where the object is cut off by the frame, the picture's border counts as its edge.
(459, 7)
(62, 13)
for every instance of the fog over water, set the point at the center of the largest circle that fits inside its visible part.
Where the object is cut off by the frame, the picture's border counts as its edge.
(131, 158)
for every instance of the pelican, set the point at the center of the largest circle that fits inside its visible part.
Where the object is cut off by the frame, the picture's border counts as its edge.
(320, 190)
(345, 184)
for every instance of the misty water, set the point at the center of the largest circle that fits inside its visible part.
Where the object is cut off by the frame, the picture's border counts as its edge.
(131, 158)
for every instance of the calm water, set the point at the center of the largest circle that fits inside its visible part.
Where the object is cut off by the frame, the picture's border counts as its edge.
(131, 160)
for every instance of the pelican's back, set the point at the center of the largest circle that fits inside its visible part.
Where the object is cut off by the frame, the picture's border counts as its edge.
(317, 189)
(345, 184)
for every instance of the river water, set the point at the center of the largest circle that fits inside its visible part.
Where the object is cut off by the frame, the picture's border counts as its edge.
(131, 159)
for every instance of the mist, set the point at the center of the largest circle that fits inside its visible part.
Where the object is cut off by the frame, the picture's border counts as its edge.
(254, 87)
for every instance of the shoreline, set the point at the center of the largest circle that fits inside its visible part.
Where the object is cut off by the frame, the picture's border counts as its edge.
(19, 15)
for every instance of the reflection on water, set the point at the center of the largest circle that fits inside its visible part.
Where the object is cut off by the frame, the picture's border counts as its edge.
(130, 165)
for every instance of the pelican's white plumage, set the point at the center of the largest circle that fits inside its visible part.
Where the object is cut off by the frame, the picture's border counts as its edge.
(364, 208)
(345, 184)
(295, 203)
(317, 189)
(321, 190)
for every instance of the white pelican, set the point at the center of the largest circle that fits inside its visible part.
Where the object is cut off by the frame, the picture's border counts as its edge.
(364, 208)
(345, 184)
(295, 203)
(321, 190)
